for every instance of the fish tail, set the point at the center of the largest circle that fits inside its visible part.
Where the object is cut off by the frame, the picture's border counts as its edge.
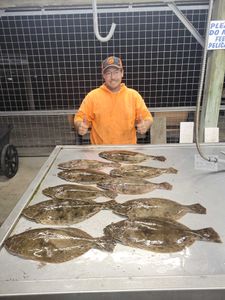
(109, 204)
(29, 214)
(160, 158)
(165, 186)
(208, 234)
(172, 171)
(105, 243)
(197, 208)
(110, 194)
(46, 192)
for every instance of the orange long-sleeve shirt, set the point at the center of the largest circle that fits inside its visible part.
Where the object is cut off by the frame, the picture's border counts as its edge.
(112, 116)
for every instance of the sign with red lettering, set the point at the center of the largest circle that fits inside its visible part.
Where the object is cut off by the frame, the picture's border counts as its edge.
(216, 33)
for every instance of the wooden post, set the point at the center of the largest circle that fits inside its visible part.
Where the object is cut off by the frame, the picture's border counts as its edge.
(214, 78)
(158, 131)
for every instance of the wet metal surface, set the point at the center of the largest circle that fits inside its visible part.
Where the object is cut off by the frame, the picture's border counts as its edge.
(198, 267)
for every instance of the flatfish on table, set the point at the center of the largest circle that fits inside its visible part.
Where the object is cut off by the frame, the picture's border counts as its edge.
(158, 234)
(132, 185)
(128, 157)
(86, 164)
(77, 192)
(156, 207)
(55, 245)
(140, 171)
(64, 212)
(84, 176)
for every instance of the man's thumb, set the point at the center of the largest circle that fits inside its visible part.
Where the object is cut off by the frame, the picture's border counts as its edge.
(140, 118)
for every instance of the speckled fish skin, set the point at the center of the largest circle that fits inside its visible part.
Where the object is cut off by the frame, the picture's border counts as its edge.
(77, 192)
(55, 245)
(158, 235)
(84, 176)
(132, 185)
(128, 157)
(140, 171)
(64, 212)
(156, 207)
(86, 164)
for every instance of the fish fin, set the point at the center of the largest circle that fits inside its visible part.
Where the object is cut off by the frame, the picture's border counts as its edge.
(208, 234)
(125, 215)
(165, 186)
(105, 243)
(114, 165)
(172, 171)
(160, 158)
(197, 208)
(110, 194)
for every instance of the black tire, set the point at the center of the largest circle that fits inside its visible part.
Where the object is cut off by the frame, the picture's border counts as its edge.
(9, 161)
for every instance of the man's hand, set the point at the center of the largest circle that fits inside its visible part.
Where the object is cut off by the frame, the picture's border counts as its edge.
(143, 125)
(82, 127)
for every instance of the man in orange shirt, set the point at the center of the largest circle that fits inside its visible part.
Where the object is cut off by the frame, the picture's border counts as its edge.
(113, 112)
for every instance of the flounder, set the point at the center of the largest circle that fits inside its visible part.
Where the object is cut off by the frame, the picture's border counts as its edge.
(86, 164)
(141, 171)
(158, 234)
(156, 207)
(132, 185)
(55, 245)
(84, 176)
(77, 192)
(64, 212)
(128, 157)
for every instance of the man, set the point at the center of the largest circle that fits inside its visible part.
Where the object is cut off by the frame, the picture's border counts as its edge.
(113, 111)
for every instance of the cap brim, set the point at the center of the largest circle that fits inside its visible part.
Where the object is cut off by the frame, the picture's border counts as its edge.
(114, 66)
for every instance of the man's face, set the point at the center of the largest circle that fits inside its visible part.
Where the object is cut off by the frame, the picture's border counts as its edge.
(113, 77)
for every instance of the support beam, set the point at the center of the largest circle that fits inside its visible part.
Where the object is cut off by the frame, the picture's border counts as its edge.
(186, 22)
(214, 78)
(41, 3)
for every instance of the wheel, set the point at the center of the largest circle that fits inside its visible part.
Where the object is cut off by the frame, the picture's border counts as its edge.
(9, 160)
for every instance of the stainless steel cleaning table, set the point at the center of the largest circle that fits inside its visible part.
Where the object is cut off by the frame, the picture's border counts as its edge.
(195, 273)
